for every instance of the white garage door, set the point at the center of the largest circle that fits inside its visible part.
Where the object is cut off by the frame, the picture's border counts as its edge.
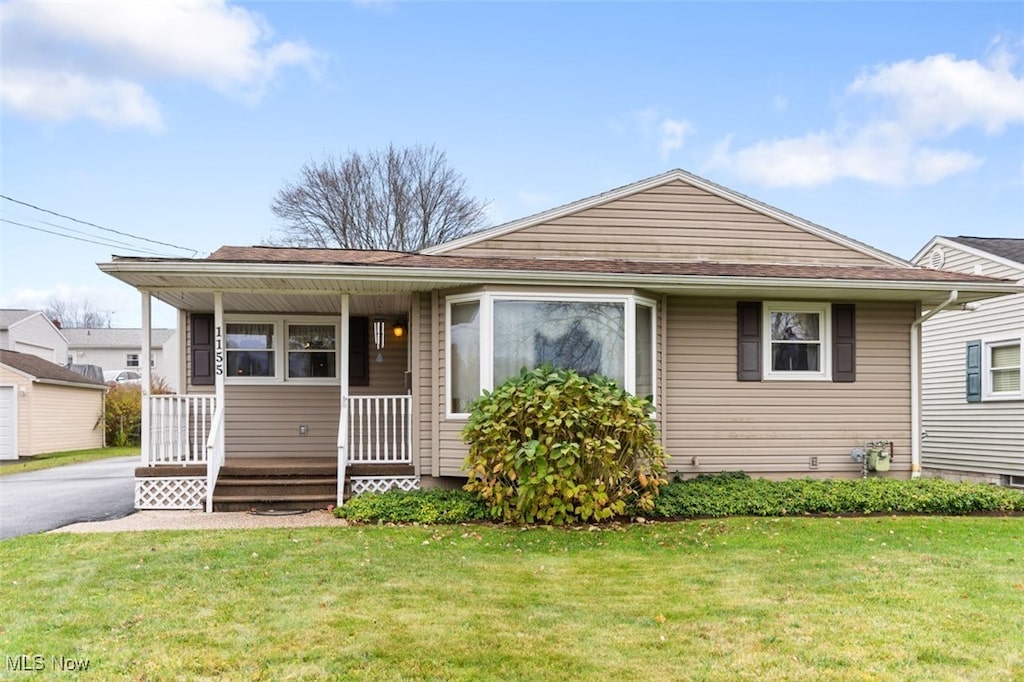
(8, 423)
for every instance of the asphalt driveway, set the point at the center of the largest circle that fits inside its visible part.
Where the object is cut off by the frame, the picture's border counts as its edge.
(38, 501)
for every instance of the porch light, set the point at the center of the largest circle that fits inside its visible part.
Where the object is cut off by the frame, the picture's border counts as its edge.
(399, 328)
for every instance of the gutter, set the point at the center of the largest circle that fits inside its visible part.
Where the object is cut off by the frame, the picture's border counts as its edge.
(915, 382)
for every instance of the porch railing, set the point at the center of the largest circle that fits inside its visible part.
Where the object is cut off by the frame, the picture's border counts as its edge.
(379, 429)
(214, 454)
(179, 428)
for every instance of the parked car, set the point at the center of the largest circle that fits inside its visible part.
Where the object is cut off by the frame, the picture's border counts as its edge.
(123, 376)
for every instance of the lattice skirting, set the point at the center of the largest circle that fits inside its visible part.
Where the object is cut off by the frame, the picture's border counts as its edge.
(380, 484)
(182, 492)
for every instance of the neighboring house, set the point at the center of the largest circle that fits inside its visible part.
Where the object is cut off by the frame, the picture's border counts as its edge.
(46, 408)
(31, 332)
(973, 403)
(767, 344)
(121, 349)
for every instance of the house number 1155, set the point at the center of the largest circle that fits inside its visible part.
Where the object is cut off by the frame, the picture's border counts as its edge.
(218, 352)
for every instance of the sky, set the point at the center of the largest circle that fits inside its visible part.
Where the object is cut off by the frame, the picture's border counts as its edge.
(178, 121)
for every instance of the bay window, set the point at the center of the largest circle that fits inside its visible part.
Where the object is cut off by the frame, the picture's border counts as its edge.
(494, 336)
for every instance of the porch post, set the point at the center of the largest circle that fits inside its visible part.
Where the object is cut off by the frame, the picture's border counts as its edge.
(218, 334)
(343, 411)
(147, 343)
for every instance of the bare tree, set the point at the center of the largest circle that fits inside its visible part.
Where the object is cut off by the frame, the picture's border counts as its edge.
(73, 313)
(397, 199)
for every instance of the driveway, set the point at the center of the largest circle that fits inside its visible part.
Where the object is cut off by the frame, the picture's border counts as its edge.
(43, 500)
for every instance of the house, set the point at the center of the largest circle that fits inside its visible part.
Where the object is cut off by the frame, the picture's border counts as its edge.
(766, 343)
(31, 332)
(121, 349)
(972, 400)
(46, 408)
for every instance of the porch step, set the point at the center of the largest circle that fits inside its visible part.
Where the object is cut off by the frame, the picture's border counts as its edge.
(299, 483)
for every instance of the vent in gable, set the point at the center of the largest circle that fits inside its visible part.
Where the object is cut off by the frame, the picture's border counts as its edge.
(937, 258)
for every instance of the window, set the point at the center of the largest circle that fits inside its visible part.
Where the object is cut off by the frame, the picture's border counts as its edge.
(491, 337)
(312, 351)
(131, 360)
(1002, 370)
(797, 341)
(250, 350)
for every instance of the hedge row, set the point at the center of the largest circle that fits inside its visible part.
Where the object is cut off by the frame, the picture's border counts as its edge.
(728, 494)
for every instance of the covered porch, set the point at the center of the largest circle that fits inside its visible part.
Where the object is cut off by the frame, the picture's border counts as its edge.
(291, 400)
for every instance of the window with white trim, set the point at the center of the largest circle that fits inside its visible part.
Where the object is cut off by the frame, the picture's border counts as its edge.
(798, 338)
(1002, 370)
(254, 345)
(131, 360)
(493, 336)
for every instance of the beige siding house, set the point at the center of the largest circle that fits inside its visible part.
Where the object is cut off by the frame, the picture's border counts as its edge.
(765, 342)
(973, 404)
(32, 333)
(46, 408)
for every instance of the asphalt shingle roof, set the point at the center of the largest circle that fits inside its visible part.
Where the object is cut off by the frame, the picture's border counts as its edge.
(12, 316)
(1009, 248)
(103, 337)
(265, 254)
(44, 370)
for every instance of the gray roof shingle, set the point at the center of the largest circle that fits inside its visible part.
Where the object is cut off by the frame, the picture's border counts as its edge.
(1010, 248)
(44, 370)
(103, 337)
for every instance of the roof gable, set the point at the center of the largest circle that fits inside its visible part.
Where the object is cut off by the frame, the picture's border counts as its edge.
(999, 252)
(1011, 249)
(679, 178)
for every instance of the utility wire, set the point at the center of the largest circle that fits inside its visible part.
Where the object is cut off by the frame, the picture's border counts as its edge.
(98, 227)
(107, 241)
(81, 239)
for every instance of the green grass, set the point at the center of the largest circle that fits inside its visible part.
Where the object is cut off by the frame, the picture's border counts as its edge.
(882, 598)
(58, 459)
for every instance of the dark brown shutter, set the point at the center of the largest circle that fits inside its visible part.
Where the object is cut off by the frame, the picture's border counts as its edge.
(748, 341)
(358, 351)
(844, 343)
(202, 349)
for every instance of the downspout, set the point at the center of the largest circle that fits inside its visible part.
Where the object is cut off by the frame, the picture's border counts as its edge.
(915, 382)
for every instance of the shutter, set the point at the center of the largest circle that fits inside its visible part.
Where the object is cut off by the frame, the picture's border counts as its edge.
(844, 343)
(974, 371)
(358, 351)
(748, 341)
(202, 350)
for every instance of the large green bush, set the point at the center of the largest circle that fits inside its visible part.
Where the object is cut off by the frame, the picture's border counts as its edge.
(122, 411)
(551, 446)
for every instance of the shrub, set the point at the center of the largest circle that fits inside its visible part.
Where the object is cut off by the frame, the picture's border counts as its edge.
(729, 494)
(417, 506)
(551, 446)
(122, 411)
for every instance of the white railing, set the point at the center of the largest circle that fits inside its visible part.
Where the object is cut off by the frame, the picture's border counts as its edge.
(179, 426)
(379, 429)
(214, 455)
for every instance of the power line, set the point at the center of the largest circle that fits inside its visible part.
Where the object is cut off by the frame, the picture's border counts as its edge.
(98, 227)
(107, 241)
(80, 239)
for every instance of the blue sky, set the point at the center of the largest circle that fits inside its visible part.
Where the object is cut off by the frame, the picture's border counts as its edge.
(178, 121)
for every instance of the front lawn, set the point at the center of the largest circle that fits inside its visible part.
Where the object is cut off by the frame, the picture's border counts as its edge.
(58, 459)
(881, 598)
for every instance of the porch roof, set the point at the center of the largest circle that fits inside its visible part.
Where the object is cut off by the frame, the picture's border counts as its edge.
(296, 279)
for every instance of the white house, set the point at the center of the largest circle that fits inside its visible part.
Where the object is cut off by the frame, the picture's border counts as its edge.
(119, 349)
(30, 332)
(972, 398)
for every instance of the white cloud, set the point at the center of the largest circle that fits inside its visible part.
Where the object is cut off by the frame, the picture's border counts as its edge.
(60, 96)
(890, 126)
(106, 51)
(672, 134)
(123, 302)
(667, 133)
